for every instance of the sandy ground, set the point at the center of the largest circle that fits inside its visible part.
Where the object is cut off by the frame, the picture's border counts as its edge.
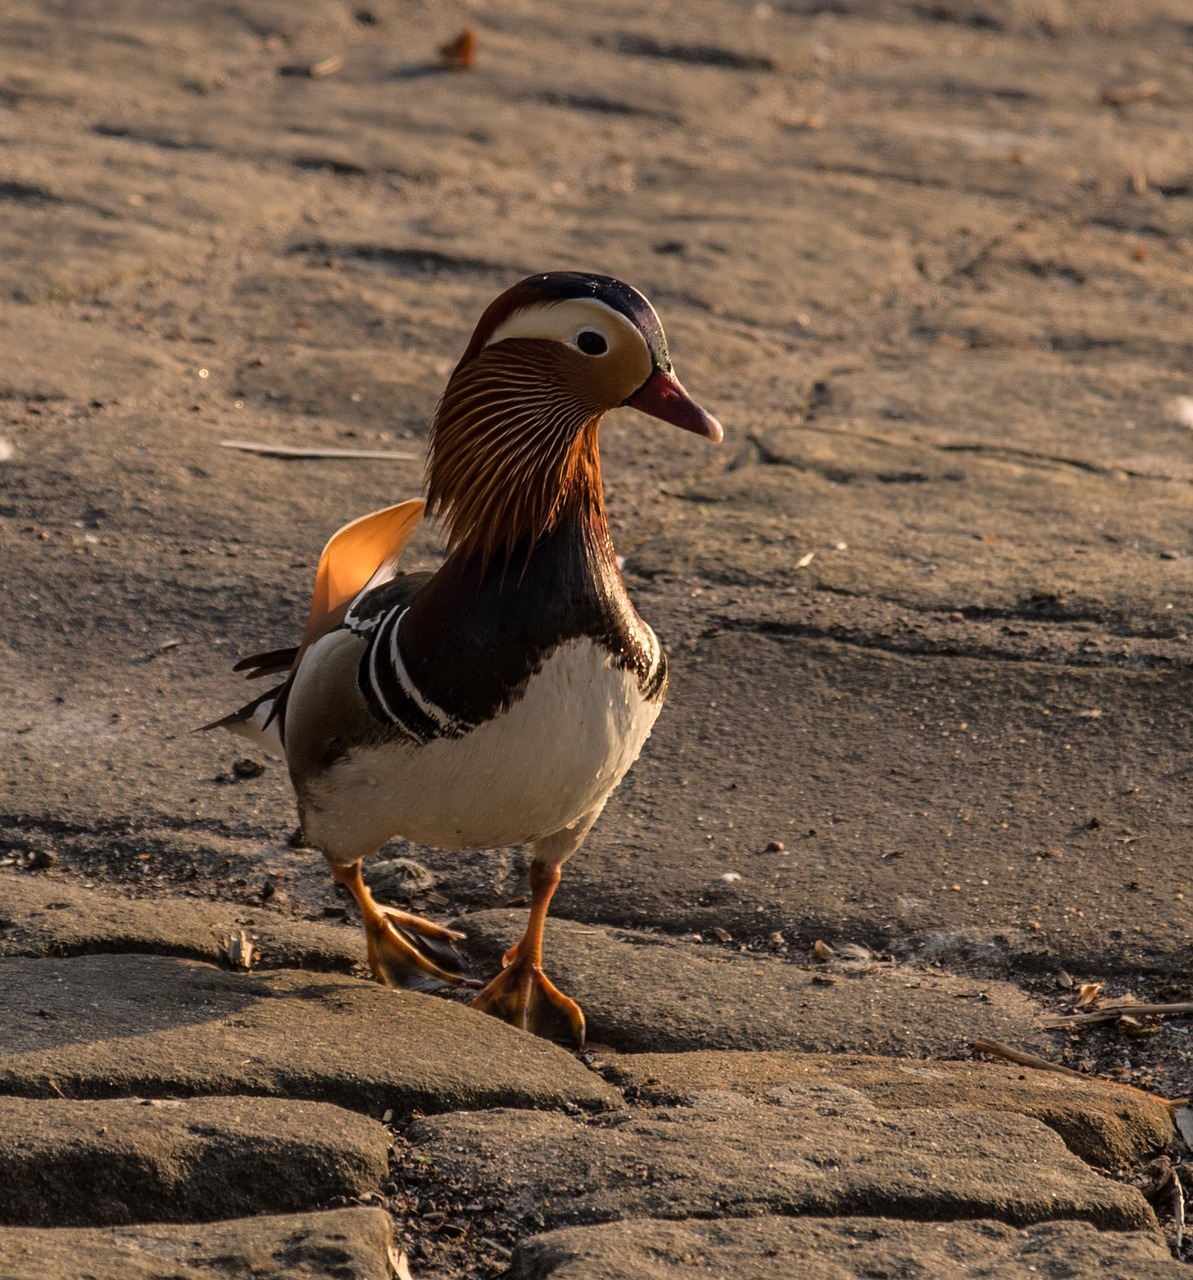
(929, 605)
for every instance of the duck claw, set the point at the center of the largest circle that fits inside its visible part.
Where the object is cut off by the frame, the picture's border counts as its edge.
(522, 995)
(408, 951)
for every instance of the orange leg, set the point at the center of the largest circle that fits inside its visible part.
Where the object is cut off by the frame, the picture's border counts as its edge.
(521, 993)
(404, 950)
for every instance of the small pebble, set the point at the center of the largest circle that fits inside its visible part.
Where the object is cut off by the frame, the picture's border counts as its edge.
(1181, 410)
(325, 67)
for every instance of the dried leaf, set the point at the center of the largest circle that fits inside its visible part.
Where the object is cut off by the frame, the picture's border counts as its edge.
(459, 54)
(721, 935)
(1137, 1030)
(1087, 993)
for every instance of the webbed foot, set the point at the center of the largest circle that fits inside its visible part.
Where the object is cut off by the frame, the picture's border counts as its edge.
(407, 951)
(523, 995)
(404, 949)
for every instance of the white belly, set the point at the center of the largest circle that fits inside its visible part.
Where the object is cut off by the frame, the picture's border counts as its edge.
(553, 757)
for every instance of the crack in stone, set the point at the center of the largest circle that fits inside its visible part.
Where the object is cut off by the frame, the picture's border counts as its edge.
(770, 457)
(1042, 643)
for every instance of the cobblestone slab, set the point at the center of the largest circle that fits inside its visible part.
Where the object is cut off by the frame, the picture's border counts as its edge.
(40, 917)
(103, 1026)
(643, 992)
(853, 1249)
(827, 1150)
(1105, 1124)
(342, 1244)
(67, 1163)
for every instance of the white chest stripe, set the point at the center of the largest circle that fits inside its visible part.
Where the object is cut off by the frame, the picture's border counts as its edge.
(442, 720)
(425, 705)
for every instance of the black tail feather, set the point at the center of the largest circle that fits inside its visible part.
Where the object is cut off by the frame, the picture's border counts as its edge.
(275, 662)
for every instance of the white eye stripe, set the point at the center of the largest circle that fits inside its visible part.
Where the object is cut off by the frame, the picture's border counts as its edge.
(563, 321)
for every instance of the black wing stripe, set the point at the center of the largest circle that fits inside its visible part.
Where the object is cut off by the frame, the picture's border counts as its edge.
(391, 694)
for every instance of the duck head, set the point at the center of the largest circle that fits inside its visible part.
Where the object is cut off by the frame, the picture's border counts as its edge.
(513, 444)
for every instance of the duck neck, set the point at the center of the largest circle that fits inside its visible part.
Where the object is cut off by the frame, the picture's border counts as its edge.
(512, 460)
(571, 541)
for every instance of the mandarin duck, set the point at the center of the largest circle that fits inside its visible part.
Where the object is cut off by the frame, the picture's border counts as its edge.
(502, 698)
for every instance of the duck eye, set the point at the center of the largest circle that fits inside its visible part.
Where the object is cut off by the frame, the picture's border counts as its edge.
(592, 344)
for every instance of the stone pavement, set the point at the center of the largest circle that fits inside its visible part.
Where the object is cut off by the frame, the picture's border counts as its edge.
(928, 613)
(140, 1087)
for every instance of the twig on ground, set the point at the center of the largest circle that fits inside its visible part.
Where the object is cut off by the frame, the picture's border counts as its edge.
(1042, 1064)
(298, 451)
(1118, 1009)
(1178, 1211)
(997, 1050)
